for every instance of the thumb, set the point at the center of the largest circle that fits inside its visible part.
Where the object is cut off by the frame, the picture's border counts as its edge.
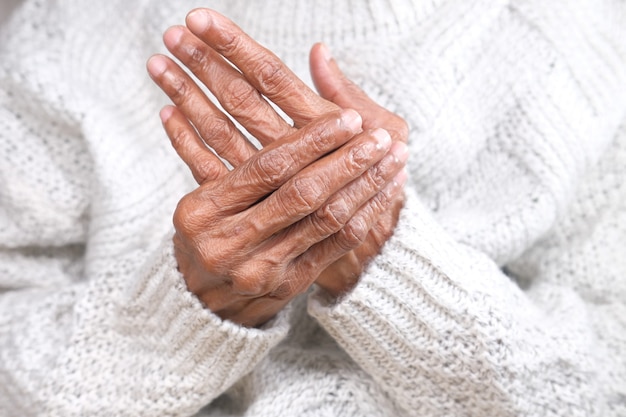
(333, 85)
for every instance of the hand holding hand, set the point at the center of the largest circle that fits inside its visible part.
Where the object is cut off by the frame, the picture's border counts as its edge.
(252, 239)
(359, 202)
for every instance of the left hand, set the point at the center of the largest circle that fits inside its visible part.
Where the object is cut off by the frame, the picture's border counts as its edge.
(240, 93)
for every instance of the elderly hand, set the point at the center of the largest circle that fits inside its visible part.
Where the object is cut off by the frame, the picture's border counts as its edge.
(250, 240)
(240, 94)
(334, 86)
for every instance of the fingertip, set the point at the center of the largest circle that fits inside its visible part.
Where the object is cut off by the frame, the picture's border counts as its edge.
(400, 150)
(198, 20)
(401, 177)
(382, 137)
(352, 119)
(166, 113)
(325, 73)
(317, 60)
(156, 65)
(172, 36)
(325, 52)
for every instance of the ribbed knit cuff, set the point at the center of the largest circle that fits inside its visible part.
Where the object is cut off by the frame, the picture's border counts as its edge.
(197, 344)
(417, 315)
(412, 282)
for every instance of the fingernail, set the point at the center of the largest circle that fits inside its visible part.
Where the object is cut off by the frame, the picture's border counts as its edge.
(198, 20)
(383, 138)
(351, 119)
(400, 151)
(166, 113)
(156, 65)
(172, 36)
(325, 52)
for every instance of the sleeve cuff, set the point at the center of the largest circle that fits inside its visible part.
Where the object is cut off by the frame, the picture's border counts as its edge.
(421, 294)
(419, 262)
(433, 313)
(167, 320)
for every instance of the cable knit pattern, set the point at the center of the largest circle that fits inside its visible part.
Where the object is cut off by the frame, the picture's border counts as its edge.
(501, 292)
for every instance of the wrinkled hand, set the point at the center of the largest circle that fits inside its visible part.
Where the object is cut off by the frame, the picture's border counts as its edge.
(254, 238)
(240, 94)
(334, 86)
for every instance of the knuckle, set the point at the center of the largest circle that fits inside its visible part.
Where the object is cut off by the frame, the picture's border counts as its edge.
(333, 216)
(254, 278)
(270, 167)
(198, 57)
(380, 201)
(179, 89)
(218, 133)
(180, 222)
(230, 44)
(273, 77)
(247, 284)
(186, 215)
(207, 169)
(353, 234)
(212, 126)
(324, 136)
(180, 137)
(321, 136)
(241, 96)
(376, 176)
(308, 265)
(303, 194)
(358, 157)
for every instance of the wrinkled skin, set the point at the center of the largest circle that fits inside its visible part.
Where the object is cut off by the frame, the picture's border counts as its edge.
(314, 205)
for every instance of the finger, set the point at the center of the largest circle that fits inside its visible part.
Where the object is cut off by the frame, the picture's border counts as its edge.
(307, 191)
(323, 254)
(385, 226)
(273, 166)
(265, 71)
(344, 273)
(213, 125)
(236, 95)
(333, 85)
(228, 306)
(341, 206)
(204, 165)
(259, 311)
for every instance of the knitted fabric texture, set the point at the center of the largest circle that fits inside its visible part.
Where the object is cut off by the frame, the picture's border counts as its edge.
(501, 293)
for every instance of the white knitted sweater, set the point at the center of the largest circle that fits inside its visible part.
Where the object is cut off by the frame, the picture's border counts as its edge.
(502, 292)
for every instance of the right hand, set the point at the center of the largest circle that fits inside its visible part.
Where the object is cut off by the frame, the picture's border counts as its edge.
(249, 240)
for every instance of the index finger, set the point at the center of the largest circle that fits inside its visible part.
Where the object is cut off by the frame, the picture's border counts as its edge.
(262, 68)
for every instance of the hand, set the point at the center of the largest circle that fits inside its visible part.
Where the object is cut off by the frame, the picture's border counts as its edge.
(334, 86)
(239, 94)
(250, 240)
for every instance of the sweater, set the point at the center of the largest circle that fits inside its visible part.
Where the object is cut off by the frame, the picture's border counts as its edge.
(501, 292)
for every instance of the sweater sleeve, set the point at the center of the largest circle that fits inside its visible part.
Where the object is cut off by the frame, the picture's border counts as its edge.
(95, 319)
(501, 291)
(440, 327)
(87, 349)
